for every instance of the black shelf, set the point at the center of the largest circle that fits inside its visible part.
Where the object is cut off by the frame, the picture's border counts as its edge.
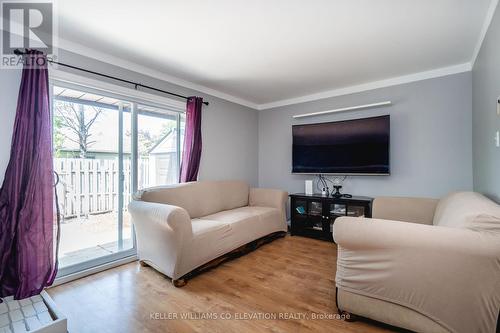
(314, 215)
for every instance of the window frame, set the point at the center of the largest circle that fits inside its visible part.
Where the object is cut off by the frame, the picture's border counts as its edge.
(135, 97)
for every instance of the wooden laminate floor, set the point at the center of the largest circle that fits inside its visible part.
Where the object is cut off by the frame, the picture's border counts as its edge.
(281, 287)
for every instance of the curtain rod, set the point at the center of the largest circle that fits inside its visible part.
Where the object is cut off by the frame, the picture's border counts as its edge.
(135, 84)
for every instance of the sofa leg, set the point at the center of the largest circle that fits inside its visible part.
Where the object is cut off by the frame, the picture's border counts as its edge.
(179, 283)
(143, 263)
(347, 316)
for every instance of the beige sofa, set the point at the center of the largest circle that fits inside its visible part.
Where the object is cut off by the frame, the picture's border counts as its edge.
(182, 227)
(439, 272)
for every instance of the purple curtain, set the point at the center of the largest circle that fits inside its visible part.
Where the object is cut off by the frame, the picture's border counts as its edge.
(192, 141)
(27, 259)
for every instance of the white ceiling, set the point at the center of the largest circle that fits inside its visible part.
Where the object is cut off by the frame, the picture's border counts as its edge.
(264, 53)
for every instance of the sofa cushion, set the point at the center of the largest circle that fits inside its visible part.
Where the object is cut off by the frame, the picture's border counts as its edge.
(200, 198)
(241, 214)
(250, 222)
(203, 226)
(222, 232)
(462, 209)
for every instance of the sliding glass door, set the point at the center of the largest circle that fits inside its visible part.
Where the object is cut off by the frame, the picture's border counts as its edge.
(158, 147)
(105, 147)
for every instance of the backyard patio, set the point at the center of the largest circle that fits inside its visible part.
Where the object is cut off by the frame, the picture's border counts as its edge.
(91, 237)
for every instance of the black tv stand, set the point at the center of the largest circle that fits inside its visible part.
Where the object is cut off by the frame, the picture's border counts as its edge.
(314, 215)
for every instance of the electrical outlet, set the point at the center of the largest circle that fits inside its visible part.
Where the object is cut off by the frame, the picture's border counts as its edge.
(497, 139)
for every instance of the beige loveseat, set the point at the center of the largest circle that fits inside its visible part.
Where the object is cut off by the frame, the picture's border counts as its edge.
(180, 228)
(439, 272)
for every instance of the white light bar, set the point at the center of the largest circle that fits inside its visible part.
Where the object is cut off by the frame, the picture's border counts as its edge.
(350, 108)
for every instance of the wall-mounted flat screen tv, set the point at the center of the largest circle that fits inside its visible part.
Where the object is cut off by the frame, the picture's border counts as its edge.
(349, 147)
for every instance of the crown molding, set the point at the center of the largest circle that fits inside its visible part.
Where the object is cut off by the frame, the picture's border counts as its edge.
(120, 62)
(101, 56)
(484, 30)
(444, 71)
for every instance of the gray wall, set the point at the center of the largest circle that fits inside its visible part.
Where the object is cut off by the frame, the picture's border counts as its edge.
(431, 139)
(230, 131)
(485, 92)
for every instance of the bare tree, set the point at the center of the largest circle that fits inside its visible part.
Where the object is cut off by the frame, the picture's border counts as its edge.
(78, 122)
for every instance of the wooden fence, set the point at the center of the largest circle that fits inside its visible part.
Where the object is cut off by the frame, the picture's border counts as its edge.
(90, 186)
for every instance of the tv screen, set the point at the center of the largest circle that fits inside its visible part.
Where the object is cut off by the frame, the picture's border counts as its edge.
(359, 146)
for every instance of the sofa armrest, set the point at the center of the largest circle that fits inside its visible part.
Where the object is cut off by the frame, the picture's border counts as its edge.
(415, 210)
(173, 217)
(268, 198)
(162, 231)
(430, 269)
